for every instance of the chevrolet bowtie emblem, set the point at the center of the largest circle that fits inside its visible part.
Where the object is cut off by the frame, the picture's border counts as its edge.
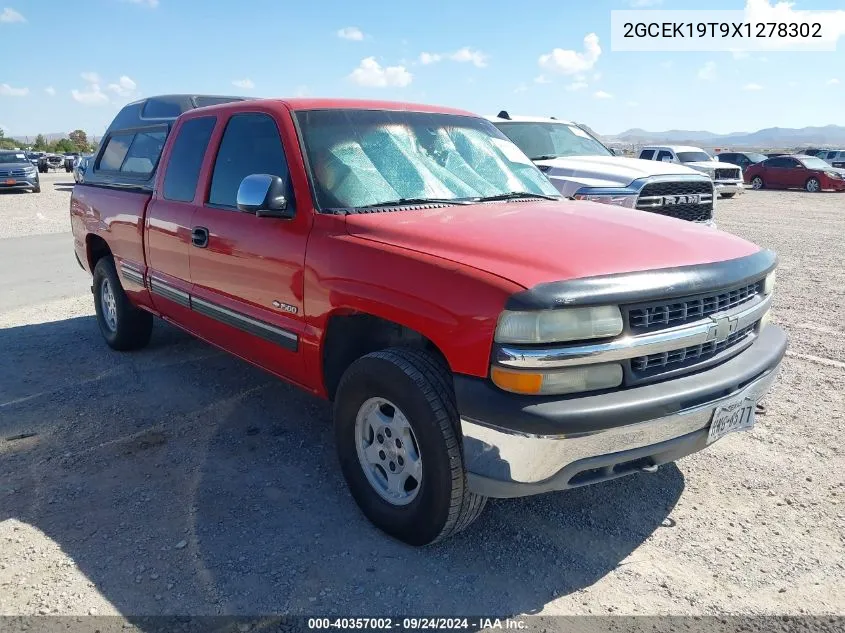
(722, 328)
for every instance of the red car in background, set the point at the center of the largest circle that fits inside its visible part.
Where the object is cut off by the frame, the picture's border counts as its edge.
(795, 172)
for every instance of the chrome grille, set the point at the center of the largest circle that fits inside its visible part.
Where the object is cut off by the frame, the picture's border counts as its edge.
(688, 355)
(668, 198)
(12, 173)
(657, 316)
(727, 174)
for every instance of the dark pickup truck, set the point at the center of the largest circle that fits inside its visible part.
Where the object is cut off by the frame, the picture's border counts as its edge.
(479, 335)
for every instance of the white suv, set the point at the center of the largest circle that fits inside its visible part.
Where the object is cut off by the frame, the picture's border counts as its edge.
(581, 167)
(727, 178)
(834, 157)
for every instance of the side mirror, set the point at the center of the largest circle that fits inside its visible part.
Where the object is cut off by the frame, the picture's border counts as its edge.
(264, 195)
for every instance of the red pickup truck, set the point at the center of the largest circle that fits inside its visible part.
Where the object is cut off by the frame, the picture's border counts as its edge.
(479, 335)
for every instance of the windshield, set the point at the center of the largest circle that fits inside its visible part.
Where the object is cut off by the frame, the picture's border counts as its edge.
(811, 162)
(756, 158)
(13, 157)
(694, 157)
(552, 140)
(360, 158)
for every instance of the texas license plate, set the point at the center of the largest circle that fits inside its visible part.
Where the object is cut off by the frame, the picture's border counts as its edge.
(736, 415)
(10, 181)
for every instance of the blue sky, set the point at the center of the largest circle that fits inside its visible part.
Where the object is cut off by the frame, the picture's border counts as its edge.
(73, 64)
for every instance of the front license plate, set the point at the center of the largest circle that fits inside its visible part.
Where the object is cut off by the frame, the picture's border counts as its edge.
(10, 181)
(734, 416)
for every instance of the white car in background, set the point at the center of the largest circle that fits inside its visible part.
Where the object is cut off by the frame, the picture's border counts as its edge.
(834, 157)
(727, 178)
(581, 167)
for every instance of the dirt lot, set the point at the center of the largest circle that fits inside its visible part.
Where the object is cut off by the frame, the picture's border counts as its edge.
(181, 480)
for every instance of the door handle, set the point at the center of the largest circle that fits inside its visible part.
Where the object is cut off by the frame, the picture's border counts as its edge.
(199, 236)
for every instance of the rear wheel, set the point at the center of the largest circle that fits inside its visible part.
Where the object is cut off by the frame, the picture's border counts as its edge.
(757, 182)
(124, 326)
(813, 185)
(399, 448)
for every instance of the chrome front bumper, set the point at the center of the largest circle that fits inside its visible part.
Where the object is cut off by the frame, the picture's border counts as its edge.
(728, 186)
(502, 462)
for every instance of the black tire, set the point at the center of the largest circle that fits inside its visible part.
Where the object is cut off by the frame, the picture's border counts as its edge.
(133, 325)
(813, 188)
(728, 195)
(42, 170)
(420, 385)
(68, 169)
(36, 189)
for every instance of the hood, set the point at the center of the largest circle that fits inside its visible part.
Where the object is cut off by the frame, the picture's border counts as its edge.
(609, 171)
(21, 164)
(534, 242)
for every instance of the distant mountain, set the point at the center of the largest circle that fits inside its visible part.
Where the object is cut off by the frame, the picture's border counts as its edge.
(30, 138)
(769, 137)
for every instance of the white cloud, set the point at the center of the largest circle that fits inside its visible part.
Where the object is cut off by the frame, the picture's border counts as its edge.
(707, 72)
(462, 55)
(832, 82)
(124, 87)
(352, 33)
(90, 77)
(370, 73)
(601, 94)
(575, 86)
(466, 54)
(642, 4)
(10, 15)
(7, 91)
(738, 54)
(752, 87)
(244, 84)
(152, 4)
(542, 79)
(50, 91)
(520, 88)
(569, 62)
(301, 91)
(93, 96)
(430, 58)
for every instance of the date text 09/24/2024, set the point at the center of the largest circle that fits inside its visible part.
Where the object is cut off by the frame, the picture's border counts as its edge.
(417, 623)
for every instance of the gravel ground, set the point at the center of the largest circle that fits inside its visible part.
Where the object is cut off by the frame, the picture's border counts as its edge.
(179, 480)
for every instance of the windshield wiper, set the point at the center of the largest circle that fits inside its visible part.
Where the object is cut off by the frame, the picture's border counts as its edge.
(407, 201)
(515, 195)
(544, 157)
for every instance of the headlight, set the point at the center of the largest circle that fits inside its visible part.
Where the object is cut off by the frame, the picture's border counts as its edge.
(564, 381)
(553, 326)
(769, 283)
(833, 175)
(618, 199)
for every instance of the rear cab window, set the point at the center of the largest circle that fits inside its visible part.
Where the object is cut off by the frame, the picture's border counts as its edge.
(647, 154)
(664, 154)
(186, 156)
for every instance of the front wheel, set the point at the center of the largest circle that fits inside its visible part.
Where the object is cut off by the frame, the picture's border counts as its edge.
(36, 189)
(756, 182)
(124, 326)
(813, 185)
(728, 195)
(399, 448)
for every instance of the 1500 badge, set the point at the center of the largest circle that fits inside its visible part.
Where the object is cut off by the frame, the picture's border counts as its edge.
(286, 307)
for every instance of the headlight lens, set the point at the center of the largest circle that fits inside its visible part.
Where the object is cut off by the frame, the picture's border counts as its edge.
(553, 326)
(564, 381)
(833, 175)
(769, 283)
(619, 199)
